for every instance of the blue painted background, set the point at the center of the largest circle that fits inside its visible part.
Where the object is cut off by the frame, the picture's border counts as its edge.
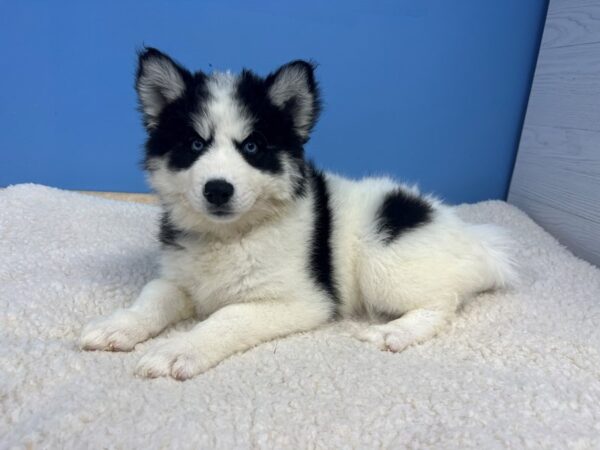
(431, 91)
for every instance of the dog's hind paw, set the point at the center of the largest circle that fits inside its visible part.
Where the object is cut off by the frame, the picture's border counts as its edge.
(120, 331)
(386, 338)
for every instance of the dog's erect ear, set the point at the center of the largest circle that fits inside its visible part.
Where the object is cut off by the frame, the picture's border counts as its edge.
(159, 80)
(293, 88)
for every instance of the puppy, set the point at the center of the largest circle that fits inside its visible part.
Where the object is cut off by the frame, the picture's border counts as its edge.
(258, 243)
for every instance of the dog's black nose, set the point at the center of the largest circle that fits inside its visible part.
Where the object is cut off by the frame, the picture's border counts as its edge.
(218, 192)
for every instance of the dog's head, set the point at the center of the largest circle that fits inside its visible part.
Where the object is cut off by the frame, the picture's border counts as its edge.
(225, 148)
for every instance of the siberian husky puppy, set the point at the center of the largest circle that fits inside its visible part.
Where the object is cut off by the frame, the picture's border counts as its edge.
(257, 243)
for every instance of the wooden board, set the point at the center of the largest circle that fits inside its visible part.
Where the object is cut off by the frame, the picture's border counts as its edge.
(125, 196)
(556, 179)
(571, 22)
(566, 88)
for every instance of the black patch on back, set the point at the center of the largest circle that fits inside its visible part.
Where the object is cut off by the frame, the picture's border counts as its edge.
(401, 212)
(174, 133)
(169, 235)
(321, 259)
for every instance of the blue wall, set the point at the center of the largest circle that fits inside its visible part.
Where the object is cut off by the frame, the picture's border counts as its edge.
(431, 91)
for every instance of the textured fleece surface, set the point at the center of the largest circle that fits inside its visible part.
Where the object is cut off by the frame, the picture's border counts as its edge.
(516, 369)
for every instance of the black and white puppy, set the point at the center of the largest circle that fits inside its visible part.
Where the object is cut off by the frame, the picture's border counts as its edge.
(259, 244)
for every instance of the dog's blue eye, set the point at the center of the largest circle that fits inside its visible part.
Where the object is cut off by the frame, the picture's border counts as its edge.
(197, 145)
(250, 147)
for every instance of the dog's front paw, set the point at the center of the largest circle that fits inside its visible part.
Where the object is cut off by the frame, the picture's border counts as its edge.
(118, 332)
(177, 358)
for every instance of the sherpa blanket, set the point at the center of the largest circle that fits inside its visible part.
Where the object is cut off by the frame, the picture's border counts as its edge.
(519, 368)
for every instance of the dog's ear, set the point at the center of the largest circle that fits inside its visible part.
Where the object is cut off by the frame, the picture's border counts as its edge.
(159, 81)
(293, 88)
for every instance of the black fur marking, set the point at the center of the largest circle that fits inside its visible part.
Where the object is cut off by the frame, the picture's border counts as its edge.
(401, 212)
(169, 235)
(266, 158)
(174, 134)
(321, 261)
(273, 125)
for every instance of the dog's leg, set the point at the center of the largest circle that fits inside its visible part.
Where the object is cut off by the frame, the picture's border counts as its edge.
(231, 329)
(413, 327)
(160, 304)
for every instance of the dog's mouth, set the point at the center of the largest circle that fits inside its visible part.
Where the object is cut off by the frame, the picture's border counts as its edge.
(222, 214)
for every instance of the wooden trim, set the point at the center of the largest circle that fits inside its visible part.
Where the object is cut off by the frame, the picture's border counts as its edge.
(125, 197)
(556, 179)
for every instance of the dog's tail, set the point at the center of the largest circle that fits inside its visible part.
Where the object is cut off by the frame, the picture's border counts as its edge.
(498, 251)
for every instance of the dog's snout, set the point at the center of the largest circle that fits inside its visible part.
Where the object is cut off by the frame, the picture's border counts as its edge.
(218, 192)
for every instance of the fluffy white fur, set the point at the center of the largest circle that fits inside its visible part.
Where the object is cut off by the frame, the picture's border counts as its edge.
(246, 276)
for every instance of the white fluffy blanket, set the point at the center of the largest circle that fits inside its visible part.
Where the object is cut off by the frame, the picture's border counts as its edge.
(517, 369)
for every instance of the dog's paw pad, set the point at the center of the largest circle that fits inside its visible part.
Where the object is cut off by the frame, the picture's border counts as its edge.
(119, 332)
(176, 359)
